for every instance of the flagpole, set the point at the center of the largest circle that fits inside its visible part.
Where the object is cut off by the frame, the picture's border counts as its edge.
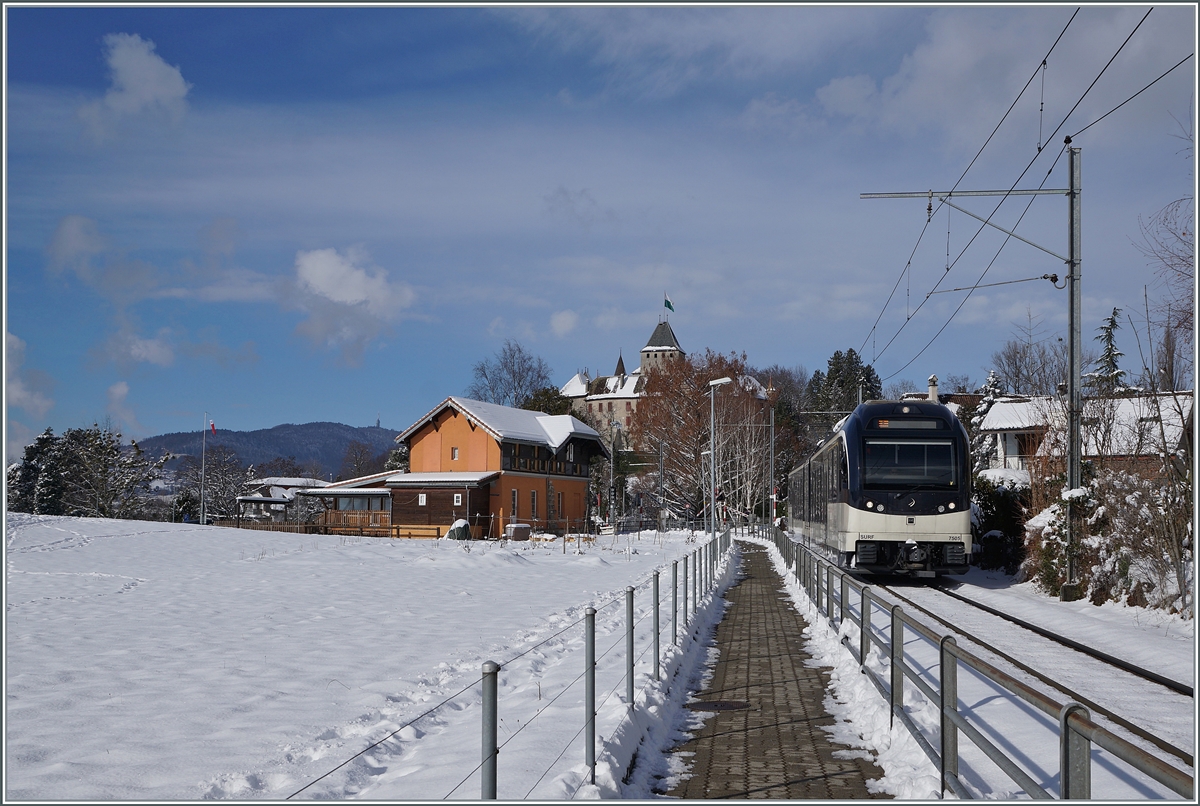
(203, 434)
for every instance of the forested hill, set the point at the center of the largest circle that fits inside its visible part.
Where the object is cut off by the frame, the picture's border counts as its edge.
(324, 443)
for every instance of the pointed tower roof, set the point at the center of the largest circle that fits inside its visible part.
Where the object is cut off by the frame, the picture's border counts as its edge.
(620, 370)
(663, 338)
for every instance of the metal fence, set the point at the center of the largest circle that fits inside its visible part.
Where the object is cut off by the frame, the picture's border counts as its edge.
(830, 589)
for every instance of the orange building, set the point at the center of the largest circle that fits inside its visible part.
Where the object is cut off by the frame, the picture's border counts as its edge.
(495, 466)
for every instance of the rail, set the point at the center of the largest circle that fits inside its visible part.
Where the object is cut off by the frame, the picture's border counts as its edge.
(829, 588)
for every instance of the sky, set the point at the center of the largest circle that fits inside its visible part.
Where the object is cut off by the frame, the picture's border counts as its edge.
(155, 662)
(301, 214)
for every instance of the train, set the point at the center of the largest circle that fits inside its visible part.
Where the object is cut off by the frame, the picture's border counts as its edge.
(889, 491)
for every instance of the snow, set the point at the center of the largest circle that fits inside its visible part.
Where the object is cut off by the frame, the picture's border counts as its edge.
(1006, 477)
(1018, 414)
(156, 661)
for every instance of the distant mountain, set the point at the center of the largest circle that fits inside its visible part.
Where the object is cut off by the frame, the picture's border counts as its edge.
(324, 443)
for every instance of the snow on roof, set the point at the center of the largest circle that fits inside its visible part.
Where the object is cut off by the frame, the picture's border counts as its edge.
(441, 479)
(287, 481)
(347, 491)
(1129, 426)
(576, 387)
(513, 425)
(363, 481)
(1018, 414)
(1006, 477)
(617, 386)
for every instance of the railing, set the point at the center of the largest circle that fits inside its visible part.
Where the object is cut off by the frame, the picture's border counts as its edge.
(829, 588)
(356, 518)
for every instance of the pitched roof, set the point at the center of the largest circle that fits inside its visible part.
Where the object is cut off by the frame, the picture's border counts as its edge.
(620, 370)
(507, 424)
(663, 338)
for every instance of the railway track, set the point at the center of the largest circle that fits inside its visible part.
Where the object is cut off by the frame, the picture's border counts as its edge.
(1179, 689)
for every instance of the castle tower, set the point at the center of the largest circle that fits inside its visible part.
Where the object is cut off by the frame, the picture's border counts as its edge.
(662, 347)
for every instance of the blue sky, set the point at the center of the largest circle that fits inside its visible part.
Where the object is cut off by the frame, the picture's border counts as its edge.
(297, 214)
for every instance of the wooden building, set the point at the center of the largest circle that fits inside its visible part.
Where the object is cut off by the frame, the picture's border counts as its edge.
(495, 466)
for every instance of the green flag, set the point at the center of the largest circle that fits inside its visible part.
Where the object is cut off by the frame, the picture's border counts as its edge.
(667, 303)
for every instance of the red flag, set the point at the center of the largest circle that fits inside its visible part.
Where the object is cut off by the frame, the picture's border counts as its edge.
(214, 426)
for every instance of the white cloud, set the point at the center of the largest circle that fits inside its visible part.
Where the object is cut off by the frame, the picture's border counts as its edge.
(772, 113)
(563, 322)
(141, 81)
(119, 409)
(20, 391)
(126, 348)
(852, 96)
(76, 240)
(348, 303)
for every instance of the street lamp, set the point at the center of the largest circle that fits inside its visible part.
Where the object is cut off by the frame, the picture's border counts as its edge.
(712, 448)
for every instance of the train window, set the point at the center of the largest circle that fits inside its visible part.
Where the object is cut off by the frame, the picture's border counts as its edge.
(906, 422)
(896, 464)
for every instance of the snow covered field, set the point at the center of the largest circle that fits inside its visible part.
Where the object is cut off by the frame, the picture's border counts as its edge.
(157, 661)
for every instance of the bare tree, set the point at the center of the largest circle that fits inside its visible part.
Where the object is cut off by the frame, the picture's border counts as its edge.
(225, 477)
(1168, 240)
(360, 460)
(510, 378)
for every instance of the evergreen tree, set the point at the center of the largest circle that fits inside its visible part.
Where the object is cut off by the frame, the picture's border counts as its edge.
(983, 446)
(1108, 376)
(23, 478)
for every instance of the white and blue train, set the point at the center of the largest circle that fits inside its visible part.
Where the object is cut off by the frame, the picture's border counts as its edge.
(889, 491)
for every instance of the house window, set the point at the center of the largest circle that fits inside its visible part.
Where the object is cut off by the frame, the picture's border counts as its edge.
(514, 503)
(610, 405)
(571, 452)
(628, 406)
(533, 505)
(627, 421)
(420, 499)
(457, 496)
(560, 509)
(454, 454)
(589, 408)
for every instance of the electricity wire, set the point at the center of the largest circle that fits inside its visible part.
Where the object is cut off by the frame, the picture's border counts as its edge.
(1004, 199)
(1131, 97)
(930, 212)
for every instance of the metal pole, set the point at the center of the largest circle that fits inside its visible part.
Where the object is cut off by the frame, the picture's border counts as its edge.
(589, 695)
(949, 686)
(629, 645)
(657, 676)
(487, 784)
(1074, 756)
(675, 602)
(685, 590)
(897, 663)
(695, 580)
(203, 434)
(1071, 591)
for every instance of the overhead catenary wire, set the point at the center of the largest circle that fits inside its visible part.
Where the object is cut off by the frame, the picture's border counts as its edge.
(1003, 199)
(930, 212)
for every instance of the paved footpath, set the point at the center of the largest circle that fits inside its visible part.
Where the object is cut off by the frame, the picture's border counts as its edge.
(764, 739)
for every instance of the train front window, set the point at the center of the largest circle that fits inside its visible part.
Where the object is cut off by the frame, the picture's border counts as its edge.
(896, 463)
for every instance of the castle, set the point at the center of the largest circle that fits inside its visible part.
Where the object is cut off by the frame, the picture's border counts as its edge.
(614, 398)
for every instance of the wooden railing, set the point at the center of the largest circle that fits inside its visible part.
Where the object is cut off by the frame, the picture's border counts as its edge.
(357, 518)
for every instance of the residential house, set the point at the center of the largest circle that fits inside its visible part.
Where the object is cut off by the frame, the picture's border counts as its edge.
(1123, 431)
(268, 499)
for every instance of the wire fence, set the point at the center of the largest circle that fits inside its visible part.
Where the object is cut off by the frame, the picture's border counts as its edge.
(703, 559)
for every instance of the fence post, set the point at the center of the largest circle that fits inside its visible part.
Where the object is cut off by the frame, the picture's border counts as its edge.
(845, 597)
(817, 583)
(589, 693)
(949, 675)
(864, 633)
(657, 676)
(695, 581)
(675, 602)
(629, 644)
(1074, 755)
(897, 662)
(487, 784)
(685, 590)
(829, 593)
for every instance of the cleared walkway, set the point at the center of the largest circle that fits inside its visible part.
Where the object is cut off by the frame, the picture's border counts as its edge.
(765, 738)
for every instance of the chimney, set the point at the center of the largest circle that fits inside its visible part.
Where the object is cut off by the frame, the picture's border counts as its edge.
(933, 392)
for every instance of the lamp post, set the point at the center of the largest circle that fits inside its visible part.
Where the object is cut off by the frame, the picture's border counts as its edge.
(712, 449)
(612, 490)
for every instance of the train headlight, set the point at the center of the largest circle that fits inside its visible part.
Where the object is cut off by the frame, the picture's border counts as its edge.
(879, 507)
(941, 508)
(870, 505)
(952, 505)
